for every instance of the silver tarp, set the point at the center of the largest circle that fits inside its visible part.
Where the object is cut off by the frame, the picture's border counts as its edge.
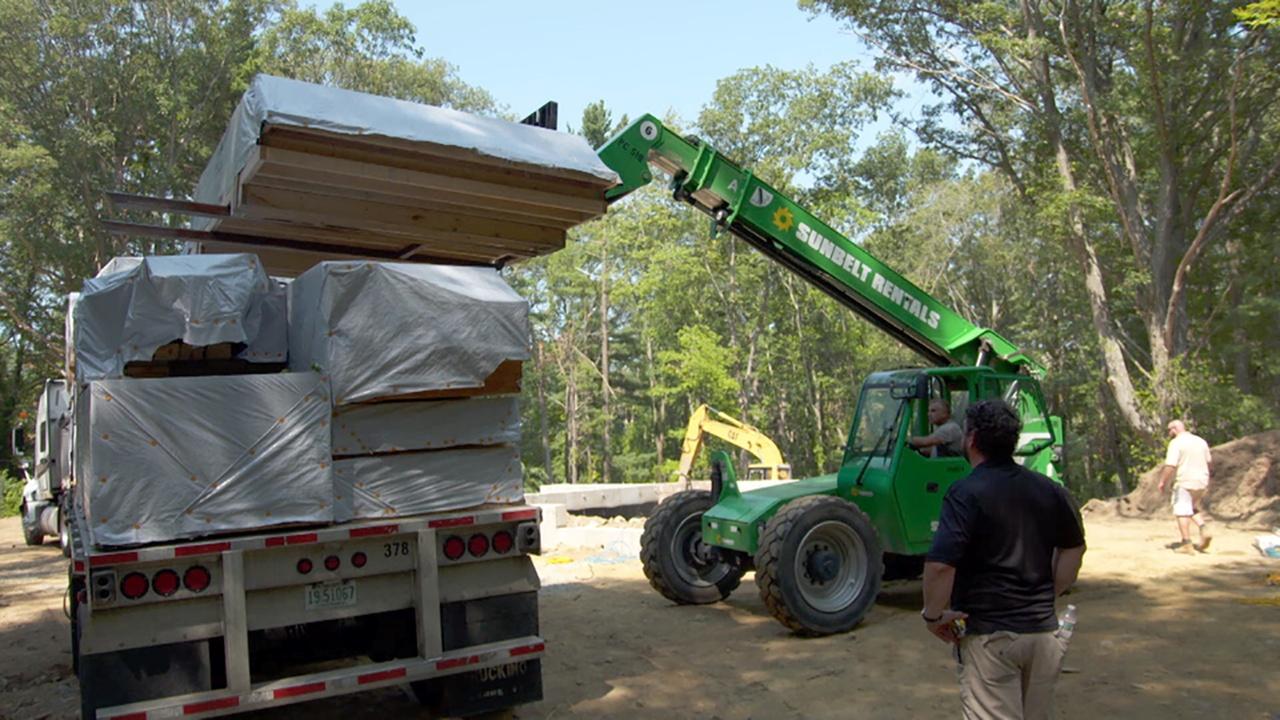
(421, 482)
(428, 425)
(387, 329)
(278, 101)
(171, 458)
(135, 305)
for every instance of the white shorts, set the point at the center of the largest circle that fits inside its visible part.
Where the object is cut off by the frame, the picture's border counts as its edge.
(1187, 502)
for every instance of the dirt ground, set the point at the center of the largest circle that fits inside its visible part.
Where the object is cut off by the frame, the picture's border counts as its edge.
(1160, 636)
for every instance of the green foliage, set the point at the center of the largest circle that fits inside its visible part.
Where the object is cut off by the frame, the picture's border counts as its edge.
(12, 494)
(1264, 13)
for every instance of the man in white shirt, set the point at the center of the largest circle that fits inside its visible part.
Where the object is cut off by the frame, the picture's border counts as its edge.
(1190, 464)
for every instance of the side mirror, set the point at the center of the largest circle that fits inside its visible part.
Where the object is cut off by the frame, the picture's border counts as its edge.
(18, 441)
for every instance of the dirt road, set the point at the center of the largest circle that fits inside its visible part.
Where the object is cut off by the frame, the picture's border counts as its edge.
(1160, 636)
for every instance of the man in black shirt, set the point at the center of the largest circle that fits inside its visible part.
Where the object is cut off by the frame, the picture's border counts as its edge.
(1008, 543)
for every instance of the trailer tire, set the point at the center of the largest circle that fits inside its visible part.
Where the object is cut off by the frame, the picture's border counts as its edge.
(819, 565)
(31, 534)
(676, 562)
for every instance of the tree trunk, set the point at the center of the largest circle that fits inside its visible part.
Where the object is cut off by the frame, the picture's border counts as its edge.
(571, 425)
(811, 383)
(605, 391)
(543, 436)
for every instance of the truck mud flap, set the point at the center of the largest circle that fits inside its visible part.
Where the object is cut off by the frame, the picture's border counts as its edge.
(484, 690)
(476, 622)
(126, 676)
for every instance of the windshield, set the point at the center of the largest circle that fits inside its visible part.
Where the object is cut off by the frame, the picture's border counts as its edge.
(877, 423)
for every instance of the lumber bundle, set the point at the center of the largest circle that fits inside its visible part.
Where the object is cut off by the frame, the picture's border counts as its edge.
(177, 316)
(312, 173)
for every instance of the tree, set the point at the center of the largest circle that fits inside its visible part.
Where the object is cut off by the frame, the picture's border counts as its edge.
(1143, 187)
(134, 96)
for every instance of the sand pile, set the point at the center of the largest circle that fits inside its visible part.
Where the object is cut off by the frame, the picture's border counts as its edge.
(1245, 487)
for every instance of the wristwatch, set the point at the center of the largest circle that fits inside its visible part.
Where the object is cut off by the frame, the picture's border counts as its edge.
(928, 619)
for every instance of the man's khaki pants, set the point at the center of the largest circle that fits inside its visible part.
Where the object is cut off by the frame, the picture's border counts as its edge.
(1009, 676)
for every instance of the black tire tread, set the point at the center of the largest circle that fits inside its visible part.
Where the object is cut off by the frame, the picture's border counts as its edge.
(769, 559)
(668, 511)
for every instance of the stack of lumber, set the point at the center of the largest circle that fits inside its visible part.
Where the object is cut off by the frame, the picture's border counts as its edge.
(310, 173)
(164, 459)
(170, 316)
(424, 366)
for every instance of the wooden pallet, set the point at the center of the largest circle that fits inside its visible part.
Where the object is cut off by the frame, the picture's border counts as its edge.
(331, 196)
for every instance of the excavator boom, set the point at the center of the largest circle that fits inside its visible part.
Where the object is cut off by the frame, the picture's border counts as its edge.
(708, 420)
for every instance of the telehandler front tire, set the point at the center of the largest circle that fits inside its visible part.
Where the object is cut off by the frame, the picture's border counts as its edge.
(679, 566)
(819, 565)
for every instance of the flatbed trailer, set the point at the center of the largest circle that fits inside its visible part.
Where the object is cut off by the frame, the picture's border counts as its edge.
(229, 624)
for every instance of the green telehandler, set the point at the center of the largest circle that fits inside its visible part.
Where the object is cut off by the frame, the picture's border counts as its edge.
(821, 546)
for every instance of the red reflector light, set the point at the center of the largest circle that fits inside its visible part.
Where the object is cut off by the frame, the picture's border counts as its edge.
(304, 566)
(331, 563)
(359, 559)
(478, 545)
(165, 583)
(197, 578)
(454, 547)
(503, 542)
(134, 585)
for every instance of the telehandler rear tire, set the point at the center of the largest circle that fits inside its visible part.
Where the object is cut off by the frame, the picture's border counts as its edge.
(679, 566)
(819, 565)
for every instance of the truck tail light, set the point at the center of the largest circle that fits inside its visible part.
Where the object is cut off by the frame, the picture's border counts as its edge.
(454, 547)
(197, 578)
(165, 583)
(134, 585)
(304, 566)
(359, 559)
(478, 545)
(503, 542)
(332, 563)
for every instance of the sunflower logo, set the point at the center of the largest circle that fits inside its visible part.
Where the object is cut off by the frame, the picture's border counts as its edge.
(783, 218)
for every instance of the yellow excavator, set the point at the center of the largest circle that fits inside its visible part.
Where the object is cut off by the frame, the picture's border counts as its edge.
(708, 420)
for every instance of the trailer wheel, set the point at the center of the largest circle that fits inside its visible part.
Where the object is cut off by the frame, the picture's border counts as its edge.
(819, 565)
(31, 534)
(678, 564)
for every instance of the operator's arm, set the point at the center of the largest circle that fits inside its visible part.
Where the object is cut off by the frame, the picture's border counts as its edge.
(926, 441)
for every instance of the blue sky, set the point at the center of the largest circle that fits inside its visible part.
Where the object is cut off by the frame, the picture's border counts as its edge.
(651, 57)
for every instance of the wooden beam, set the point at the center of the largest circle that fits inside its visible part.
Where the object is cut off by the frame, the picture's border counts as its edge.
(420, 155)
(126, 201)
(407, 197)
(288, 205)
(359, 171)
(425, 198)
(388, 242)
(117, 227)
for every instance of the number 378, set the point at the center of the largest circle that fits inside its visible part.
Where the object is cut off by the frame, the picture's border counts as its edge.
(395, 549)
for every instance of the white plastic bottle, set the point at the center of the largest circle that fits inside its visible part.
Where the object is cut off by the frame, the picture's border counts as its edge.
(1067, 623)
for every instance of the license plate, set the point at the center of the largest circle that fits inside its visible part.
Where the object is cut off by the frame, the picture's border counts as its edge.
(335, 594)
